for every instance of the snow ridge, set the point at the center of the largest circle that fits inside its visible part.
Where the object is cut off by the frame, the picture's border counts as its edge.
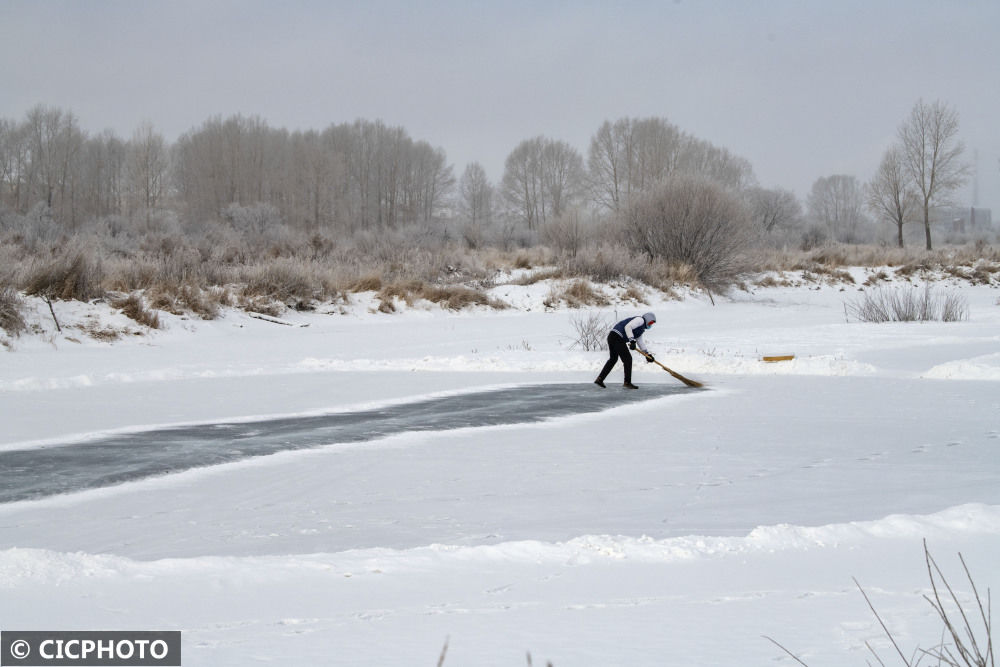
(21, 566)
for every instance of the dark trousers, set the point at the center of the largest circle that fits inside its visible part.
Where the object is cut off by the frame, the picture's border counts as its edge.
(619, 350)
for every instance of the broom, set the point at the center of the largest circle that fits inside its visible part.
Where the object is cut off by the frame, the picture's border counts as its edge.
(688, 382)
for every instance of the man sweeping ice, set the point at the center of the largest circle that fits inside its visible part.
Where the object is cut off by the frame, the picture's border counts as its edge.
(623, 336)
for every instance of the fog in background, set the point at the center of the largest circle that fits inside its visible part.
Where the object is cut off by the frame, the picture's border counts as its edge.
(801, 89)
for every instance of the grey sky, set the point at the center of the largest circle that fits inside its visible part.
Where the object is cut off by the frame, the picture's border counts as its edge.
(802, 89)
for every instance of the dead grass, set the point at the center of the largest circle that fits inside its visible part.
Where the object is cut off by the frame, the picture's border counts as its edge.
(578, 294)
(366, 283)
(452, 297)
(907, 305)
(188, 299)
(200, 269)
(539, 276)
(633, 293)
(133, 307)
(12, 312)
(72, 275)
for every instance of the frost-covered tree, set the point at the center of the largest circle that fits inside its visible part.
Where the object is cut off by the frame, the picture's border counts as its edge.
(475, 195)
(147, 170)
(542, 178)
(633, 155)
(775, 212)
(836, 203)
(890, 195)
(932, 156)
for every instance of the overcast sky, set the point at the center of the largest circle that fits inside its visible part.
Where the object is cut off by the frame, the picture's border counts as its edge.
(802, 89)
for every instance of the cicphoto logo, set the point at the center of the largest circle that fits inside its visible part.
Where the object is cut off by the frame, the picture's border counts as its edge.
(35, 648)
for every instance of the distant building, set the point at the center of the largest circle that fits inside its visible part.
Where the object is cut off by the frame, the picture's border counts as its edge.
(963, 220)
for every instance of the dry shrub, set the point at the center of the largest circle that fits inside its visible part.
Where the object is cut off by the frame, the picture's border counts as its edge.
(874, 279)
(966, 636)
(452, 297)
(456, 298)
(522, 261)
(908, 305)
(539, 276)
(12, 312)
(283, 279)
(771, 281)
(133, 274)
(183, 299)
(133, 308)
(408, 291)
(675, 272)
(578, 294)
(633, 293)
(261, 304)
(692, 220)
(591, 331)
(605, 263)
(74, 274)
(368, 283)
(832, 274)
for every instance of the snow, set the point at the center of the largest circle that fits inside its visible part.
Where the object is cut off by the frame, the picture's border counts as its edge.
(678, 530)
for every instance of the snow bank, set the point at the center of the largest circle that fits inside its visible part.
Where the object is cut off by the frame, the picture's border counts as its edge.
(20, 566)
(730, 364)
(986, 367)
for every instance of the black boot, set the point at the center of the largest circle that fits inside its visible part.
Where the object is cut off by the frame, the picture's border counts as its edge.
(629, 385)
(600, 383)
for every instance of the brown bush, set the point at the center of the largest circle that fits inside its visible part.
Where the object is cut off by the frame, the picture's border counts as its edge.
(452, 297)
(695, 221)
(367, 283)
(72, 275)
(133, 308)
(12, 312)
(581, 293)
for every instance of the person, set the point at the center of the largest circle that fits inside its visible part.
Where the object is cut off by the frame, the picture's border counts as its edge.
(626, 335)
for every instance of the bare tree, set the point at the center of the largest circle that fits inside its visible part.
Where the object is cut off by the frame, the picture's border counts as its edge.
(147, 169)
(562, 176)
(14, 164)
(890, 194)
(103, 174)
(522, 187)
(542, 178)
(836, 203)
(54, 141)
(476, 195)
(774, 211)
(931, 153)
(610, 162)
(633, 155)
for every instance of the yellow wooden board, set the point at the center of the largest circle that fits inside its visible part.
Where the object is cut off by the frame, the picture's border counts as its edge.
(780, 357)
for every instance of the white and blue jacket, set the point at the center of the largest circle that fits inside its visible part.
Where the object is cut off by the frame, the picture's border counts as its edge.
(631, 329)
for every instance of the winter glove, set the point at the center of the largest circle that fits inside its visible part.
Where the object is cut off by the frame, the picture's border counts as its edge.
(649, 359)
(631, 344)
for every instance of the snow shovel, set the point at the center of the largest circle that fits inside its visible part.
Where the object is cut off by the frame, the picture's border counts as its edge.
(688, 382)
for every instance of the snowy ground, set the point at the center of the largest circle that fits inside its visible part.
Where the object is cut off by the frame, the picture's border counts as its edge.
(677, 530)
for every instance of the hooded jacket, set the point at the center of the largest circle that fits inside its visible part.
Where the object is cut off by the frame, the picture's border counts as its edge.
(632, 328)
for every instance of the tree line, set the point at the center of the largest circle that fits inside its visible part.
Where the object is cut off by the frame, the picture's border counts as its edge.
(363, 174)
(367, 175)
